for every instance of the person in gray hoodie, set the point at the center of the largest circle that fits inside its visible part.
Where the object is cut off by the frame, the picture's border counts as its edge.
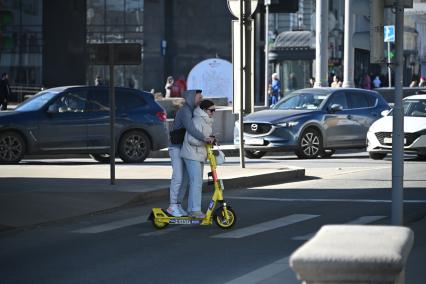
(194, 155)
(179, 181)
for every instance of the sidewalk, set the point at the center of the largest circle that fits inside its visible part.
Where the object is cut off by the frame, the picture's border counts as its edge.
(37, 192)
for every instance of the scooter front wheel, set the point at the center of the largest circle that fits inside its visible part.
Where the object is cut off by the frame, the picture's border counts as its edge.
(221, 220)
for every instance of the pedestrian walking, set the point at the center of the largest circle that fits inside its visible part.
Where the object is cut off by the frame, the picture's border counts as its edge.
(336, 82)
(366, 82)
(5, 91)
(376, 82)
(422, 82)
(413, 84)
(169, 86)
(194, 154)
(276, 89)
(98, 81)
(182, 124)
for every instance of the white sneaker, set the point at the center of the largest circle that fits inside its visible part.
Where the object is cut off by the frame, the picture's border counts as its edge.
(174, 210)
(182, 211)
(197, 214)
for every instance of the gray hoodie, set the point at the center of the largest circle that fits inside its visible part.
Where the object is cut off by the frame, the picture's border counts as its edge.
(184, 116)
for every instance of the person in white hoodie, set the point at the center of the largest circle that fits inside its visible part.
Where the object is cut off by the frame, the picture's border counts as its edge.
(194, 155)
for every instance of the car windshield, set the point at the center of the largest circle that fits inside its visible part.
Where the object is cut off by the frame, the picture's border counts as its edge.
(36, 102)
(416, 108)
(309, 101)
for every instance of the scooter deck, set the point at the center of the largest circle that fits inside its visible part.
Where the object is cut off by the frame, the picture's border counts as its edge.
(162, 215)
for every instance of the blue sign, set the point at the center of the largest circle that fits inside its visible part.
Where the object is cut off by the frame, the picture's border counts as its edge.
(389, 33)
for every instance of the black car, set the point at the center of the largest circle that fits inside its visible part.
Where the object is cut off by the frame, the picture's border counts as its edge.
(75, 120)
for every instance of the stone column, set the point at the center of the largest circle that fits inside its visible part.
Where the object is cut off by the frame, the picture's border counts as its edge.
(321, 44)
(348, 60)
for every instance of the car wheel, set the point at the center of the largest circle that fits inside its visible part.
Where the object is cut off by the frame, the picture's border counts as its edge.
(134, 147)
(101, 158)
(327, 153)
(12, 148)
(310, 144)
(255, 154)
(377, 156)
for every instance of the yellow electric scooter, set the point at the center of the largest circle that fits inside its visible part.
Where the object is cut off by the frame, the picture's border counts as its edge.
(218, 210)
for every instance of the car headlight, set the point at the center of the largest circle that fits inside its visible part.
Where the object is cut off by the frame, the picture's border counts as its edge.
(288, 124)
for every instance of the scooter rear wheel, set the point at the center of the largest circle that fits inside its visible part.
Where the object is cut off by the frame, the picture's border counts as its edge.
(222, 221)
(159, 225)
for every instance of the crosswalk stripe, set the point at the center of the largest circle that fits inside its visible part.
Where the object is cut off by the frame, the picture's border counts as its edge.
(161, 232)
(266, 226)
(358, 221)
(320, 200)
(113, 225)
(263, 273)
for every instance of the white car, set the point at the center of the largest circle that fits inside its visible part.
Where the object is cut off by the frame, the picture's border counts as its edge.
(379, 136)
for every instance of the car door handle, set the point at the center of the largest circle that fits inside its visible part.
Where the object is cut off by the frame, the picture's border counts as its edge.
(349, 116)
(124, 115)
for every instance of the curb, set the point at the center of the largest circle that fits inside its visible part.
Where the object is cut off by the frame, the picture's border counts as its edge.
(281, 176)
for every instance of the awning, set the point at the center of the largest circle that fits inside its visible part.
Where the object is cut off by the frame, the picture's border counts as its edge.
(294, 40)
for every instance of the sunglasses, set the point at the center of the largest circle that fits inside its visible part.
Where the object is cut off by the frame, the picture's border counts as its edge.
(211, 109)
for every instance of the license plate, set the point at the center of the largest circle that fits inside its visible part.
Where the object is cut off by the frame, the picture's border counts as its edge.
(388, 140)
(253, 141)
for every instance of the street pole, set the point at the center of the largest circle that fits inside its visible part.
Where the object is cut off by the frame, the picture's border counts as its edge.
(112, 114)
(267, 3)
(348, 64)
(389, 66)
(241, 110)
(321, 44)
(398, 121)
(248, 57)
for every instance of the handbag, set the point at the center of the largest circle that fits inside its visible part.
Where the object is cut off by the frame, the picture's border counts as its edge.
(177, 136)
(220, 157)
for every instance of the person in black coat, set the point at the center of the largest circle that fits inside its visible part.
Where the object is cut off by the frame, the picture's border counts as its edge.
(4, 91)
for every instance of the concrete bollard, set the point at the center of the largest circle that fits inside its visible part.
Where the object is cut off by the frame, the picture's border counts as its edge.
(354, 254)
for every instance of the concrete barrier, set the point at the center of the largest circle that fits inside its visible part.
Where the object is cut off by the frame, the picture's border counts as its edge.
(354, 254)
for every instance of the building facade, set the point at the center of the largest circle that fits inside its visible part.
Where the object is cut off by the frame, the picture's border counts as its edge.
(43, 42)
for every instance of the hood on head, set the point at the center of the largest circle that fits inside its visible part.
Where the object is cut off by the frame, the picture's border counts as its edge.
(189, 97)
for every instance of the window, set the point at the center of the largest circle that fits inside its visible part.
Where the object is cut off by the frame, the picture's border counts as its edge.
(99, 100)
(36, 102)
(127, 100)
(340, 99)
(415, 108)
(71, 101)
(116, 21)
(360, 100)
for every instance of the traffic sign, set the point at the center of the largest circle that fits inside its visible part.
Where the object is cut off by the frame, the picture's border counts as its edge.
(234, 7)
(389, 33)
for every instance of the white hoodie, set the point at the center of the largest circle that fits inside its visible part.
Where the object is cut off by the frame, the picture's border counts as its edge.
(192, 148)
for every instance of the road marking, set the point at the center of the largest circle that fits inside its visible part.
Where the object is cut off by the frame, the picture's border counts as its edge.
(320, 200)
(266, 226)
(263, 273)
(358, 221)
(161, 232)
(113, 225)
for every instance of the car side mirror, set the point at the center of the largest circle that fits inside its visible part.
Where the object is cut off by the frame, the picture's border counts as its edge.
(385, 112)
(53, 108)
(335, 108)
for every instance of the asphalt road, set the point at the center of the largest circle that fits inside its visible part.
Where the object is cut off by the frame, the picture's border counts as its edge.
(121, 247)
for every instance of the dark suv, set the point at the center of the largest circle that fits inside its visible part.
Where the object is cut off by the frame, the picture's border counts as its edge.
(313, 122)
(75, 120)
